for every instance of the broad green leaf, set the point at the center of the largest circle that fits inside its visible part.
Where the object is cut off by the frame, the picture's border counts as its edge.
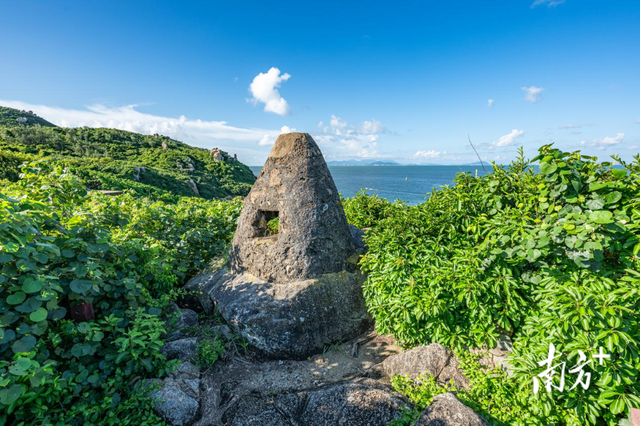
(548, 168)
(39, 315)
(80, 286)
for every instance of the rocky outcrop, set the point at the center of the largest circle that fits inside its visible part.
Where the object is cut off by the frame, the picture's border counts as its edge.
(294, 320)
(138, 171)
(313, 237)
(433, 359)
(193, 186)
(447, 410)
(216, 154)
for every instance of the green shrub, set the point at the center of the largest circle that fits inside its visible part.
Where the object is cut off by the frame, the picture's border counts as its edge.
(210, 350)
(545, 257)
(366, 211)
(125, 256)
(273, 226)
(498, 398)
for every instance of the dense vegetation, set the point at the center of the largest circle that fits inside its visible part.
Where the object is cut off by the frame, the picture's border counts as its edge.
(110, 159)
(12, 117)
(125, 257)
(547, 257)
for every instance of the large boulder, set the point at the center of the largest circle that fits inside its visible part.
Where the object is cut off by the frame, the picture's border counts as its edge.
(313, 238)
(293, 320)
(447, 410)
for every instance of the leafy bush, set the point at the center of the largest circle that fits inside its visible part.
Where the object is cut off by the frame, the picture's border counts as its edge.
(491, 393)
(125, 257)
(210, 350)
(365, 211)
(543, 257)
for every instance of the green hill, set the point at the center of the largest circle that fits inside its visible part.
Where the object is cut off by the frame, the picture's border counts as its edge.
(111, 159)
(10, 117)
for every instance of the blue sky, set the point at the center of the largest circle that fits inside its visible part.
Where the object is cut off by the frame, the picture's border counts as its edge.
(406, 81)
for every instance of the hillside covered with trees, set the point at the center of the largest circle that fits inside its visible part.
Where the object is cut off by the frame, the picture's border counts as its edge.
(111, 159)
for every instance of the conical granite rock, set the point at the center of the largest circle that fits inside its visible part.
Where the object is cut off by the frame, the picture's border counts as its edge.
(292, 291)
(313, 238)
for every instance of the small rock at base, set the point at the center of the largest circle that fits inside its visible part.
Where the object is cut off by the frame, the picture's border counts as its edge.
(447, 410)
(174, 405)
(183, 349)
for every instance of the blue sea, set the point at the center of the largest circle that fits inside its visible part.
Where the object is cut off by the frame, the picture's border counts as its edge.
(408, 183)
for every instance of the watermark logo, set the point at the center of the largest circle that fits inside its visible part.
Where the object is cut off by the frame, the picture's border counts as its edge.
(547, 376)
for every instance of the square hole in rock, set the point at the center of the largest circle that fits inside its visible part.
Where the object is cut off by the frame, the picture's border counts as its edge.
(267, 223)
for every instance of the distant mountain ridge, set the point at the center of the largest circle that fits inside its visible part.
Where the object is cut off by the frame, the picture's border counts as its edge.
(363, 163)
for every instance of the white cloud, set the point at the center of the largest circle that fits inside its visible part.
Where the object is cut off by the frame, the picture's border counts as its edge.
(608, 141)
(509, 138)
(264, 89)
(533, 94)
(427, 154)
(372, 127)
(489, 103)
(549, 3)
(202, 133)
(341, 139)
(337, 123)
(270, 139)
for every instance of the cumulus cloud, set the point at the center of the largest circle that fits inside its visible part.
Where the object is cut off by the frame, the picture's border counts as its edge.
(202, 133)
(270, 139)
(533, 94)
(608, 141)
(341, 139)
(489, 103)
(372, 127)
(549, 3)
(509, 138)
(264, 89)
(427, 154)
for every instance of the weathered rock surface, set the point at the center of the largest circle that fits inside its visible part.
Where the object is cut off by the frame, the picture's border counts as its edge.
(447, 410)
(434, 359)
(358, 239)
(187, 318)
(182, 349)
(293, 320)
(364, 403)
(198, 288)
(258, 384)
(313, 238)
(174, 404)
